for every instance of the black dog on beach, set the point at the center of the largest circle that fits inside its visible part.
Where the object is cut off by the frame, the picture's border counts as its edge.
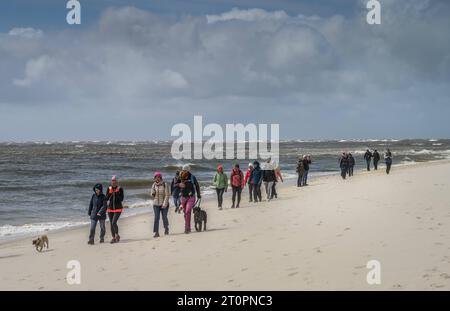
(200, 217)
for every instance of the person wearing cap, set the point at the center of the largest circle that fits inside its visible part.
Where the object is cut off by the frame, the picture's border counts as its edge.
(220, 182)
(97, 213)
(114, 196)
(189, 189)
(248, 180)
(160, 195)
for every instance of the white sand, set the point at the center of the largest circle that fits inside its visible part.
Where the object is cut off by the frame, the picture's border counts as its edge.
(318, 237)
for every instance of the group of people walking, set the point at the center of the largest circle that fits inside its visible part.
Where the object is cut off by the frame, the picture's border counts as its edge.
(254, 177)
(185, 191)
(347, 161)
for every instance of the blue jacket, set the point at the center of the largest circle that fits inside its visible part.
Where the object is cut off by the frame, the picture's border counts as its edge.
(98, 204)
(256, 173)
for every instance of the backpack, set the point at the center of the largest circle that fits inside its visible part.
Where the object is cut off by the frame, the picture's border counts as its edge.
(236, 179)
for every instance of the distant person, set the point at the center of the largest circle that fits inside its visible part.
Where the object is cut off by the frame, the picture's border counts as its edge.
(343, 164)
(248, 181)
(278, 178)
(190, 189)
(388, 160)
(368, 157)
(160, 194)
(300, 171)
(115, 196)
(236, 181)
(220, 182)
(97, 213)
(306, 163)
(175, 190)
(376, 159)
(269, 179)
(257, 181)
(351, 164)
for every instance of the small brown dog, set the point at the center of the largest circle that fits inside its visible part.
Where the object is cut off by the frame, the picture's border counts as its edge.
(40, 242)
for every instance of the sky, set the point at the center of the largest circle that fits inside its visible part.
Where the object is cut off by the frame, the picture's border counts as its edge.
(134, 69)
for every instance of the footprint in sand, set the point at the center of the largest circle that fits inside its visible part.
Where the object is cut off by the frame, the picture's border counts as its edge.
(397, 286)
(230, 281)
(292, 274)
(243, 240)
(244, 269)
(445, 276)
(346, 229)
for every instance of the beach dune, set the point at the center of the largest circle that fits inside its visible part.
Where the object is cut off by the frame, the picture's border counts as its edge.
(319, 237)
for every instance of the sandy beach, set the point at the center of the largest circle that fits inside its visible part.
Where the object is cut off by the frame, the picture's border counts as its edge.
(315, 238)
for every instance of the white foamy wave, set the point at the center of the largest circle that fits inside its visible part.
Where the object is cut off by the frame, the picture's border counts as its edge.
(29, 229)
(141, 204)
(437, 144)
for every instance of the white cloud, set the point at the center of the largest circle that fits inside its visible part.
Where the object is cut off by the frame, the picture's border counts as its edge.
(34, 70)
(320, 67)
(28, 33)
(250, 15)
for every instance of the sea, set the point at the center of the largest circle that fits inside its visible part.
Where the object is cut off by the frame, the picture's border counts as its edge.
(47, 186)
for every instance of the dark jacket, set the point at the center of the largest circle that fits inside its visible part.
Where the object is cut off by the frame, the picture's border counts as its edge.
(343, 162)
(351, 161)
(300, 167)
(367, 155)
(269, 176)
(256, 175)
(174, 186)
(191, 187)
(98, 205)
(306, 164)
(115, 197)
(376, 156)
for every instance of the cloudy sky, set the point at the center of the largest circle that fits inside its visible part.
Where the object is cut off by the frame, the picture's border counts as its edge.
(133, 69)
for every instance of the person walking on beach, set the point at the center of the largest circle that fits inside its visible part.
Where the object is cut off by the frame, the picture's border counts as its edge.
(300, 171)
(189, 190)
(278, 178)
(256, 179)
(388, 160)
(351, 164)
(175, 190)
(236, 180)
(160, 195)
(220, 182)
(343, 164)
(376, 159)
(368, 157)
(114, 196)
(97, 213)
(306, 163)
(269, 179)
(248, 181)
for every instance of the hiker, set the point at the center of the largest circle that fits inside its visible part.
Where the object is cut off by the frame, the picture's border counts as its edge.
(220, 182)
(269, 179)
(278, 178)
(343, 164)
(306, 162)
(388, 160)
(175, 190)
(351, 164)
(189, 190)
(256, 179)
(300, 171)
(376, 159)
(160, 195)
(248, 181)
(114, 196)
(367, 157)
(236, 181)
(97, 213)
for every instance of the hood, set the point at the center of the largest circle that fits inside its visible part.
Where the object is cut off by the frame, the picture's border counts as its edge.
(256, 164)
(98, 186)
(236, 170)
